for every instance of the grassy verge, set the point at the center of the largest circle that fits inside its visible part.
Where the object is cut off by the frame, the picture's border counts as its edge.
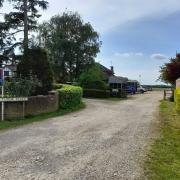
(15, 123)
(164, 157)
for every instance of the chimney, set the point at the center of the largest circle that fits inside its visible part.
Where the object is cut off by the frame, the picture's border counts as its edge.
(112, 69)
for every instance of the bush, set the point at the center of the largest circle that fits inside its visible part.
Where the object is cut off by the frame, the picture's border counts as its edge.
(69, 96)
(96, 93)
(37, 65)
(101, 85)
(177, 99)
(18, 87)
(93, 78)
(171, 99)
(57, 86)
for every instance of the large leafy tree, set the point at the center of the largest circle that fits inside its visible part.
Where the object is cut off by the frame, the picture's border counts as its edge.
(72, 44)
(23, 19)
(170, 72)
(93, 77)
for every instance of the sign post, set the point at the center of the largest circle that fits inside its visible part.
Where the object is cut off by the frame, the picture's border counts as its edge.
(2, 92)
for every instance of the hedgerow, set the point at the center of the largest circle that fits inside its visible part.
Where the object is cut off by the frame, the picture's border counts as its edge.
(96, 93)
(69, 96)
(177, 98)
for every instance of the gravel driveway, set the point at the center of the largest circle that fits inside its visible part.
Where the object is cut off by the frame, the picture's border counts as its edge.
(104, 141)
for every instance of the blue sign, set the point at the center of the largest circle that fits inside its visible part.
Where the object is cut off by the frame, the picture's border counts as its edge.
(1, 76)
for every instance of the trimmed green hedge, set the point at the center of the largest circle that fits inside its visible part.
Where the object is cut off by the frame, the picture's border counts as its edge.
(177, 99)
(69, 96)
(96, 93)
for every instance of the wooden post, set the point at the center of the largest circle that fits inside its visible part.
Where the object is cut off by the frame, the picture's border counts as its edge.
(164, 94)
(23, 109)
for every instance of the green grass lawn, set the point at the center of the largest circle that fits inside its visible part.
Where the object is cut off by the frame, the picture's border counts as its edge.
(15, 123)
(164, 157)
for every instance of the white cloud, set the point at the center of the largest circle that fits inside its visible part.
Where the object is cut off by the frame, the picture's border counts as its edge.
(139, 54)
(108, 14)
(158, 56)
(128, 54)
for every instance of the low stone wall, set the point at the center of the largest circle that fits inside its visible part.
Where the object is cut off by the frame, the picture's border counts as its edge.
(34, 106)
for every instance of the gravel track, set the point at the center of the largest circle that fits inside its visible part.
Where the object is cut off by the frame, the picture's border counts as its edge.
(103, 142)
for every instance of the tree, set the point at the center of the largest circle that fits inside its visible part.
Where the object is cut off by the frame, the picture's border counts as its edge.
(71, 43)
(1, 3)
(93, 78)
(23, 19)
(38, 67)
(170, 72)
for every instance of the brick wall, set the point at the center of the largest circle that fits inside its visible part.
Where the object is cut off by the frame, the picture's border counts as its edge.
(34, 106)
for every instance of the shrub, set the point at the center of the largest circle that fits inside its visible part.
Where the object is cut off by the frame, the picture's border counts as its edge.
(69, 96)
(95, 84)
(93, 78)
(172, 96)
(37, 65)
(57, 86)
(96, 93)
(18, 87)
(177, 99)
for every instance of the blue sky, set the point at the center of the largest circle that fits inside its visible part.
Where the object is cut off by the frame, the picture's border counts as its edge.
(138, 36)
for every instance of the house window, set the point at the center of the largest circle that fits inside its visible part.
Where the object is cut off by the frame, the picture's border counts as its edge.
(6, 73)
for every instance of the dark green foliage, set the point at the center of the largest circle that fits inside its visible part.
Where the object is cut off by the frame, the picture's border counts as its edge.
(23, 18)
(96, 93)
(92, 78)
(94, 85)
(172, 96)
(20, 87)
(72, 45)
(70, 96)
(57, 86)
(37, 65)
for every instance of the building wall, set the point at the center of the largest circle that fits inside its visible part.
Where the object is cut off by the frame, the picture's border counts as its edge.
(34, 106)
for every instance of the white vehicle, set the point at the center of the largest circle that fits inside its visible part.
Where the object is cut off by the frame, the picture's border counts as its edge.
(141, 89)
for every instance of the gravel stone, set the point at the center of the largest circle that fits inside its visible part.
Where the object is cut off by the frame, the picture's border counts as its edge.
(105, 141)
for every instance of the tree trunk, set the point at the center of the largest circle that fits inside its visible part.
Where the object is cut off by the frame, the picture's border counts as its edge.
(25, 27)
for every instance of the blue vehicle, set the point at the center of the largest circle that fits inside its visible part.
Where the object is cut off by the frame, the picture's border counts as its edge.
(131, 89)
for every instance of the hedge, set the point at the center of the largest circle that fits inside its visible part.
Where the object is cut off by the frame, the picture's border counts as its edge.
(69, 96)
(96, 93)
(57, 86)
(177, 99)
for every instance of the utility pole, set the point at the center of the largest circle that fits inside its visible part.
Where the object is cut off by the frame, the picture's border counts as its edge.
(140, 79)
